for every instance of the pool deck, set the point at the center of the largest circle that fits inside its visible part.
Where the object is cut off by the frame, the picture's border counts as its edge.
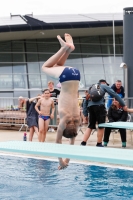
(10, 135)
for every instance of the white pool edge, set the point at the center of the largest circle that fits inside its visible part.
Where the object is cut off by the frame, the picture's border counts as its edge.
(71, 161)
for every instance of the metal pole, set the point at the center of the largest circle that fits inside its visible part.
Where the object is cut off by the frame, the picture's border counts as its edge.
(114, 38)
(126, 84)
(125, 71)
(128, 51)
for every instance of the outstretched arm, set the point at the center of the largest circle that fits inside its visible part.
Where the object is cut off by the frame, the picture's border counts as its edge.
(32, 99)
(115, 95)
(61, 128)
(130, 110)
(72, 140)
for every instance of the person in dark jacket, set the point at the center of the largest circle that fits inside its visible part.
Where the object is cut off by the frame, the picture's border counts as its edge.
(115, 114)
(84, 113)
(119, 89)
(97, 113)
(32, 116)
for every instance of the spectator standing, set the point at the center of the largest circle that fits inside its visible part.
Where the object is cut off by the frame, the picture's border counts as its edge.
(32, 116)
(97, 113)
(80, 100)
(119, 89)
(115, 114)
(54, 94)
(84, 115)
(21, 103)
(46, 104)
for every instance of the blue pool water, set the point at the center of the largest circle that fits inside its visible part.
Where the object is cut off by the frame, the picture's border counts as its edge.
(35, 179)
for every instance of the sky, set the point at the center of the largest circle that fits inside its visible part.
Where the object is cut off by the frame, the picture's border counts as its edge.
(42, 7)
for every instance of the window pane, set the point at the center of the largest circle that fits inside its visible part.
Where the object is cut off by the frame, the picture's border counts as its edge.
(5, 57)
(109, 39)
(5, 68)
(107, 49)
(118, 49)
(32, 57)
(20, 93)
(33, 67)
(17, 48)
(111, 69)
(20, 81)
(47, 48)
(108, 59)
(34, 81)
(113, 78)
(93, 69)
(118, 59)
(92, 60)
(19, 68)
(111, 59)
(82, 83)
(34, 75)
(90, 39)
(121, 39)
(5, 52)
(90, 48)
(18, 57)
(19, 76)
(5, 103)
(31, 49)
(35, 93)
(6, 94)
(91, 79)
(6, 76)
(6, 81)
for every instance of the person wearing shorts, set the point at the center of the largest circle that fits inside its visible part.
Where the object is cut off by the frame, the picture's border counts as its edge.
(97, 113)
(45, 109)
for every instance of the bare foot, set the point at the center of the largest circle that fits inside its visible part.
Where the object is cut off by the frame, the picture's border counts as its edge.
(63, 43)
(69, 40)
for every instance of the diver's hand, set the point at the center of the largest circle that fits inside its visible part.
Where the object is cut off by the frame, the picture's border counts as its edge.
(62, 165)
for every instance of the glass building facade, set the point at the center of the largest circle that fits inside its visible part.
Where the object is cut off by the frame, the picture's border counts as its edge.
(21, 62)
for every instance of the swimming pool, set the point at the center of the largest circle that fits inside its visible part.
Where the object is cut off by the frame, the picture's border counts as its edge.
(29, 178)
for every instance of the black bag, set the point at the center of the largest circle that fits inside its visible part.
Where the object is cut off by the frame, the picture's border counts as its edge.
(96, 93)
(31, 119)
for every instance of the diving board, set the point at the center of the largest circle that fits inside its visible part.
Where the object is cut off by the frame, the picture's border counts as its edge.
(96, 154)
(126, 125)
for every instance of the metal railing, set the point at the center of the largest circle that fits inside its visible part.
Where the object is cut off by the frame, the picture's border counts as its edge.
(10, 114)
